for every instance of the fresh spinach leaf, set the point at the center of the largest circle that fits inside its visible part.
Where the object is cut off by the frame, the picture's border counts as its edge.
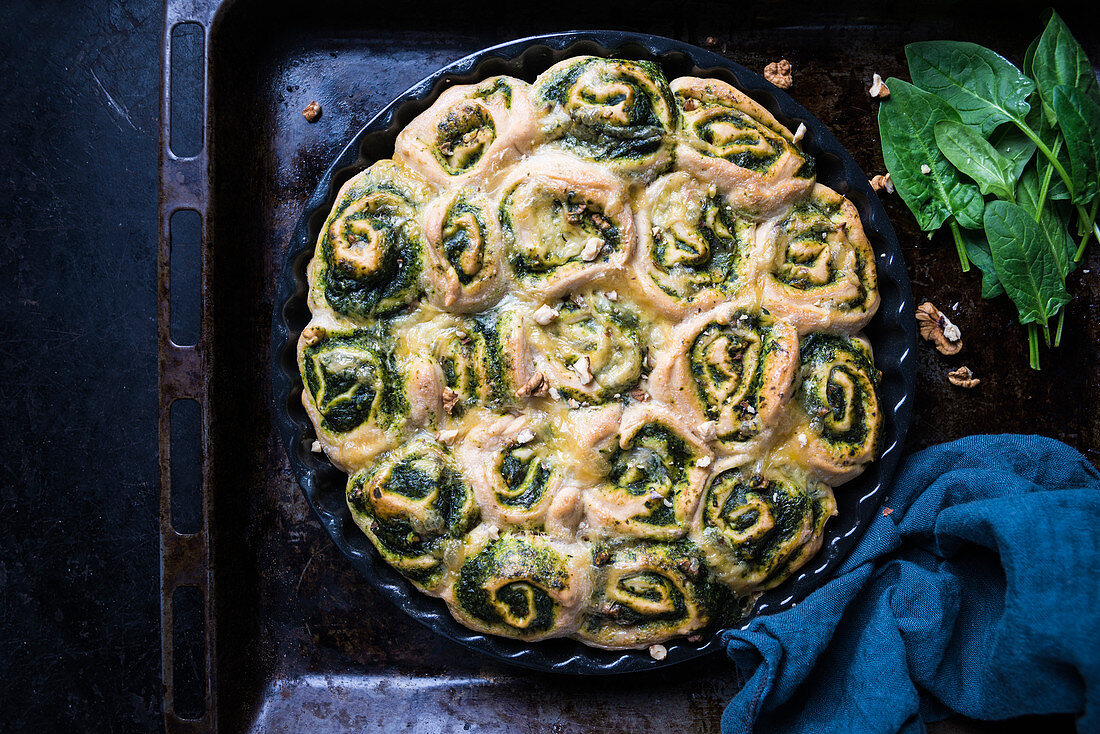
(977, 249)
(969, 152)
(1058, 60)
(1010, 141)
(907, 122)
(1079, 122)
(1053, 219)
(1025, 266)
(984, 87)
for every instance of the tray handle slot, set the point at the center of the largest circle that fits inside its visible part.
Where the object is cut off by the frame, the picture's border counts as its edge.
(187, 615)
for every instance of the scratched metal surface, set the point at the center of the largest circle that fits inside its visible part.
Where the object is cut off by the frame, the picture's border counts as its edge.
(303, 644)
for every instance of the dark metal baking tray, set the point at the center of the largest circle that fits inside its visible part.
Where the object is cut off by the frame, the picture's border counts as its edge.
(301, 642)
(892, 332)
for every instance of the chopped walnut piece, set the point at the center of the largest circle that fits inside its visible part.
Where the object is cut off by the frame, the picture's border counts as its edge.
(639, 394)
(878, 88)
(545, 314)
(581, 368)
(536, 386)
(707, 430)
(779, 73)
(591, 249)
(703, 462)
(450, 400)
(525, 436)
(315, 447)
(658, 652)
(690, 104)
(710, 42)
(312, 112)
(963, 377)
(883, 183)
(799, 133)
(925, 169)
(313, 334)
(937, 328)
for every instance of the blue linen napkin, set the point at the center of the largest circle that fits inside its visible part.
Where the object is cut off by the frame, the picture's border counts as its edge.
(978, 594)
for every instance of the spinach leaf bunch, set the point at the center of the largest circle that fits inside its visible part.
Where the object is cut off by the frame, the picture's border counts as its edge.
(1008, 159)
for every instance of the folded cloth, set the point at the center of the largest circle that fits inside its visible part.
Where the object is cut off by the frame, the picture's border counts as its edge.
(975, 591)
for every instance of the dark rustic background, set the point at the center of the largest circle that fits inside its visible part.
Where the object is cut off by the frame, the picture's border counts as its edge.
(301, 639)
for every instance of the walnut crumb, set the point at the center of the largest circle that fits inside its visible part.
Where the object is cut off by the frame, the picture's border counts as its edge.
(710, 42)
(536, 387)
(581, 368)
(695, 638)
(883, 183)
(312, 112)
(545, 314)
(525, 436)
(592, 249)
(779, 73)
(312, 335)
(878, 88)
(938, 329)
(639, 394)
(799, 133)
(707, 430)
(315, 447)
(925, 169)
(450, 400)
(703, 462)
(658, 652)
(963, 377)
(554, 393)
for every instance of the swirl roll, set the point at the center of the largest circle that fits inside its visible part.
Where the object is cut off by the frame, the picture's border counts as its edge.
(732, 366)
(462, 242)
(758, 527)
(415, 506)
(350, 392)
(616, 112)
(839, 397)
(563, 222)
(514, 469)
(693, 250)
(820, 268)
(729, 139)
(447, 352)
(369, 252)
(526, 586)
(647, 592)
(652, 469)
(589, 351)
(470, 134)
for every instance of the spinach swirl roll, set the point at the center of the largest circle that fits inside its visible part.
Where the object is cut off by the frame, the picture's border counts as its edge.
(526, 586)
(589, 348)
(470, 134)
(351, 393)
(729, 139)
(694, 250)
(451, 363)
(616, 112)
(514, 469)
(820, 268)
(647, 592)
(732, 367)
(368, 256)
(415, 506)
(462, 241)
(651, 469)
(839, 433)
(564, 222)
(757, 527)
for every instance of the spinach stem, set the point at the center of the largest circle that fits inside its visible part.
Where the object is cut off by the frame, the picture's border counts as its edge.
(1045, 188)
(959, 246)
(1091, 223)
(1046, 334)
(1048, 154)
(1058, 331)
(1033, 346)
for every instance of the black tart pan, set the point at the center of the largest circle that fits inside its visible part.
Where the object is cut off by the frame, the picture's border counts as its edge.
(892, 333)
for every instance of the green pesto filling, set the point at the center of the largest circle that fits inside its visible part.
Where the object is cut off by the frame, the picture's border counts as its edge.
(536, 571)
(711, 379)
(526, 478)
(395, 282)
(574, 214)
(712, 261)
(820, 395)
(787, 502)
(459, 241)
(352, 383)
(463, 136)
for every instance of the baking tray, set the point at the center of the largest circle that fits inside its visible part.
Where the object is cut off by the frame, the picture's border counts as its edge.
(892, 331)
(294, 639)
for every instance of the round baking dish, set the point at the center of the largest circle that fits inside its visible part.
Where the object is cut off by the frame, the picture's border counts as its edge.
(892, 333)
